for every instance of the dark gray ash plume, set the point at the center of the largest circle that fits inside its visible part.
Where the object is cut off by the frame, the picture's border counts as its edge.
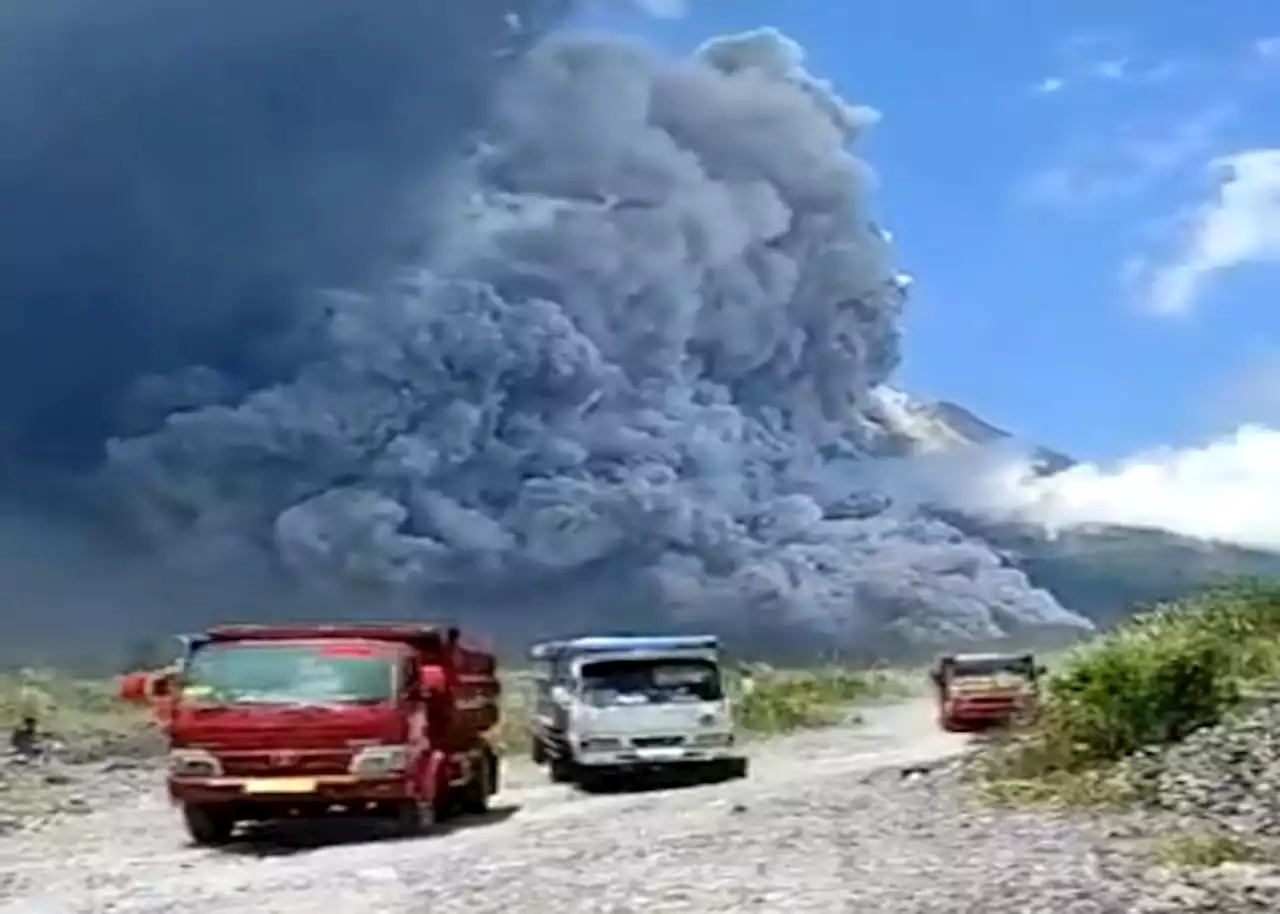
(551, 327)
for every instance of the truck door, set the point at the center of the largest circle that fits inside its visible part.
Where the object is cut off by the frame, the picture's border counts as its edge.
(553, 715)
(414, 705)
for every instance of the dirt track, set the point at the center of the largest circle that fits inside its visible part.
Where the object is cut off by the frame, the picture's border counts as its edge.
(826, 823)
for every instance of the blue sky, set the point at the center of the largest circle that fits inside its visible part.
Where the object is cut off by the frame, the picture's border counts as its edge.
(1086, 275)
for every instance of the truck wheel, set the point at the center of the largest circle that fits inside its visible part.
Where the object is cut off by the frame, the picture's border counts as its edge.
(591, 780)
(563, 770)
(737, 769)
(538, 752)
(473, 799)
(208, 826)
(413, 818)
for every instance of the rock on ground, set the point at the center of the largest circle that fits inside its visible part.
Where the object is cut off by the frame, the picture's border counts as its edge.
(849, 819)
(1228, 774)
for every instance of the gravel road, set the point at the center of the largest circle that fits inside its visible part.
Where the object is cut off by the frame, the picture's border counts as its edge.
(828, 822)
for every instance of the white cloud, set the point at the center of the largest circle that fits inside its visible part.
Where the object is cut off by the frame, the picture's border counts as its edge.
(1268, 47)
(1240, 226)
(1226, 491)
(1125, 161)
(664, 9)
(1110, 70)
(1049, 85)
(1114, 70)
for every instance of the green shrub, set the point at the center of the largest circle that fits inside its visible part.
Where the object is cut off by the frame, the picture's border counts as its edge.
(85, 714)
(1136, 691)
(784, 702)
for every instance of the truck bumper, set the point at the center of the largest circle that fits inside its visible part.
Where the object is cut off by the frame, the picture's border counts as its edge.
(325, 791)
(691, 762)
(965, 718)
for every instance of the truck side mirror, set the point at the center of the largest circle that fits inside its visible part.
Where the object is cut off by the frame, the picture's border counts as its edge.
(160, 685)
(133, 688)
(559, 694)
(142, 687)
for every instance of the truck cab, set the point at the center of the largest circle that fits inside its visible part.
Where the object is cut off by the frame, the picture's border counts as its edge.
(977, 692)
(610, 708)
(273, 722)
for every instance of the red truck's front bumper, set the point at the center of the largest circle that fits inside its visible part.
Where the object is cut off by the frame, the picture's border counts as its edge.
(977, 713)
(325, 790)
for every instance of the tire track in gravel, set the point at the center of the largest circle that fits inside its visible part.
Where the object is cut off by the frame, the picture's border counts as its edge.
(134, 858)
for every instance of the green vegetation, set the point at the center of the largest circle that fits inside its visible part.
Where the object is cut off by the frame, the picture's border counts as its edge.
(1204, 851)
(1153, 680)
(82, 714)
(786, 701)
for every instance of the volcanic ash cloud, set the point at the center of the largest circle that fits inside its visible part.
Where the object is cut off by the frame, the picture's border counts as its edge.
(634, 351)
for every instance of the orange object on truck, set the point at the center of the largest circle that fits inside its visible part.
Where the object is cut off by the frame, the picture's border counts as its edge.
(977, 692)
(364, 719)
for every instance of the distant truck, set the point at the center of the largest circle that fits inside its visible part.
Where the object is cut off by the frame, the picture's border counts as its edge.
(977, 692)
(610, 708)
(273, 722)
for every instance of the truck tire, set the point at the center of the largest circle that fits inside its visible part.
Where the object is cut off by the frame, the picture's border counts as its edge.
(414, 818)
(737, 769)
(563, 770)
(208, 825)
(473, 797)
(593, 780)
(537, 751)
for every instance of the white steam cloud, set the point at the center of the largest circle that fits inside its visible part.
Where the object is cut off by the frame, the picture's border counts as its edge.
(1227, 491)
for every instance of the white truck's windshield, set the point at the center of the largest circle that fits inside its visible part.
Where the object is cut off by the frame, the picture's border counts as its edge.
(652, 680)
(269, 673)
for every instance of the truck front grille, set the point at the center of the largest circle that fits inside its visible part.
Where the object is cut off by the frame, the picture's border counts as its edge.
(657, 742)
(277, 763)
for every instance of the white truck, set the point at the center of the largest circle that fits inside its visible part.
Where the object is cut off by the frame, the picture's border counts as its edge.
(611, 708)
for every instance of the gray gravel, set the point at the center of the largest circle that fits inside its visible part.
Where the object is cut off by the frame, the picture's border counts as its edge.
(827, 823)
(1228, 774)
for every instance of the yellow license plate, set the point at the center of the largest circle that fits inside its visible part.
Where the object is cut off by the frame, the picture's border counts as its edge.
(281, 785)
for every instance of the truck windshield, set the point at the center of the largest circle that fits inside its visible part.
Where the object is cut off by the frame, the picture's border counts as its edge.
(612, 682)
(290, 674)
(990, 666)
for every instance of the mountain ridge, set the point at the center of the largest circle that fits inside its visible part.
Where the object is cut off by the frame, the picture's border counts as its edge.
(1101, 571)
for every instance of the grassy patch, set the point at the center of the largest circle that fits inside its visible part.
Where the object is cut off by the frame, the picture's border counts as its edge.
(83, 715)
(1152, 681)
(1204, 851)
(786, 701)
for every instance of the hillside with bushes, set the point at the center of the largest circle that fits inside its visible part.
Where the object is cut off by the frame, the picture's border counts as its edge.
(1173, 716)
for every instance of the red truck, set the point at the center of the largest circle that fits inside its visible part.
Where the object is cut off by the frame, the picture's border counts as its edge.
(977, 692)
(376, 719)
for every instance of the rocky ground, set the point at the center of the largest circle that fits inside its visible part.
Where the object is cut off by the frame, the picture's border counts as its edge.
(1214, 801)
(847, 819)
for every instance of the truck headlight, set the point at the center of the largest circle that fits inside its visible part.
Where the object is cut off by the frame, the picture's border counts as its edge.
(714, 739)
(194, 763)
(379, 761)
(600, 744)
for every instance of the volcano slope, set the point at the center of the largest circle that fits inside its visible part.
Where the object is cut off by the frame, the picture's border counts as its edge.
(827, 823)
